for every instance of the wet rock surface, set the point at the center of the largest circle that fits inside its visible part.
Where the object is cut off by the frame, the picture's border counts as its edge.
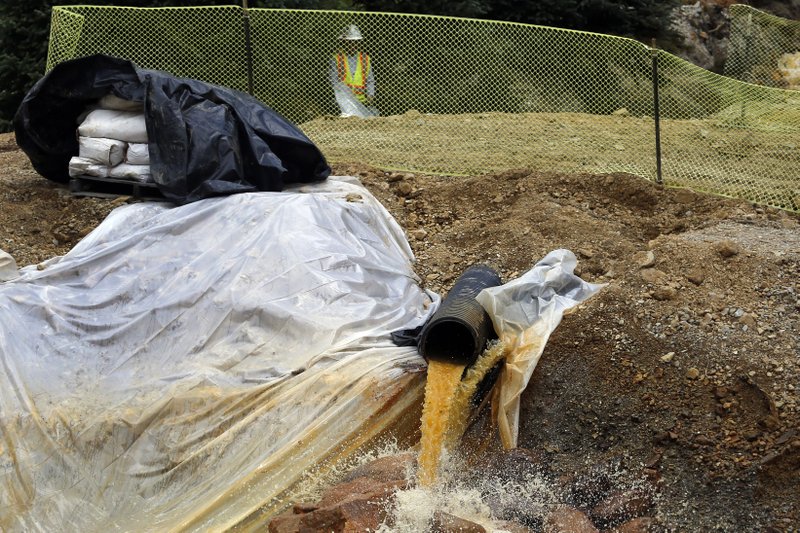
(522, 494)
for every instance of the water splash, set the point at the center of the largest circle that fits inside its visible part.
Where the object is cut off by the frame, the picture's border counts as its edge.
(482, 497)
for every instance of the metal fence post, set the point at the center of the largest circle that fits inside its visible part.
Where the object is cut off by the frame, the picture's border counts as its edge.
(656, 117)
(248, 47)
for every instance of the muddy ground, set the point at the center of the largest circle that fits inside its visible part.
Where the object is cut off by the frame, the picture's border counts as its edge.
(687, 364)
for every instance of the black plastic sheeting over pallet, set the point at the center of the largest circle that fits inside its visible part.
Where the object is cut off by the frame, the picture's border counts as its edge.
(204, 140)
(112, 188)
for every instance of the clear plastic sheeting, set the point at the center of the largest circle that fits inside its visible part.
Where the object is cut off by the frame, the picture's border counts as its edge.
(349, 105)
(8, 267)
(525, 311)
(183, 368)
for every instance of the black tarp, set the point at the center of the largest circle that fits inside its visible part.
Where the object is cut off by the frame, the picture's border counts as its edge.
(204, 140)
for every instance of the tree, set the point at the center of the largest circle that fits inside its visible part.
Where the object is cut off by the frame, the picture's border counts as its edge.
(460, 8)
(642, 19)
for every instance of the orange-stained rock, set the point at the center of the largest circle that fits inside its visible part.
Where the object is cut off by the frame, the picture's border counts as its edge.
(360, 486)
(355, 515)
(389, 468)
(287, 522)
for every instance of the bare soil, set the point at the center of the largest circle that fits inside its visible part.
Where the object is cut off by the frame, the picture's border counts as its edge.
(687, 364)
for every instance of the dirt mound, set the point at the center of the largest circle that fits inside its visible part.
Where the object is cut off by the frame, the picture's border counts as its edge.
(686, 364)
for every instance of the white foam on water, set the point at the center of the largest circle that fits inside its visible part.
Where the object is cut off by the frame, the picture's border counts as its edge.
(465, 493)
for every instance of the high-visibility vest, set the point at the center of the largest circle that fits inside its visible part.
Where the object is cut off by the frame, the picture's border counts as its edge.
(357, 81)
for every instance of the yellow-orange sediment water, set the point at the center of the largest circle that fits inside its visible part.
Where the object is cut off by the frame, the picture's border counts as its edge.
(446, 411)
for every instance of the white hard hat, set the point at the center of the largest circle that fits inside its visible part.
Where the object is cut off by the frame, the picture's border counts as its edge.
(351, 33)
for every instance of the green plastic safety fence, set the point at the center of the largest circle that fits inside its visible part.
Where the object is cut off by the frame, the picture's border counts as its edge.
(463, 96)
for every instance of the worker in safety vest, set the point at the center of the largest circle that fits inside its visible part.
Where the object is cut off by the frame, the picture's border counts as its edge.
(352, 75)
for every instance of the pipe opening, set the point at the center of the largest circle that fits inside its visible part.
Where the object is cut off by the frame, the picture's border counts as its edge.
(450, 340)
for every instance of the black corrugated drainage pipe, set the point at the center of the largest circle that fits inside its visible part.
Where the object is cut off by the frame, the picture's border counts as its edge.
(458, 330)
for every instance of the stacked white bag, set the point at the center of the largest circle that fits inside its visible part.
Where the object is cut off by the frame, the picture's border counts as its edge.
(112, 142)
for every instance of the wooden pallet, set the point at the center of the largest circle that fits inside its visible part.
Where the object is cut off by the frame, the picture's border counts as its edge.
(113, 188)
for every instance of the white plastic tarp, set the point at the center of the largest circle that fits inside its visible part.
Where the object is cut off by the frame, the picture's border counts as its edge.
(181, 368)
(8, 267)
(525, 311)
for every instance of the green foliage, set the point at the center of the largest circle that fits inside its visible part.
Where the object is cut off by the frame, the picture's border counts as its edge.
(460, 8)
(640, 19)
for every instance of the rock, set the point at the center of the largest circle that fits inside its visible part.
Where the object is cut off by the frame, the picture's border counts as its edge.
(353, 197)
(302, 508)
(566, 519)
(645, 259)
(704, 440)
(727, 248)
(362, 486)
(360, 513)
(446, 523)
(585, 253)
(701, 30)
(287, 522)
(665, 293)
(666, 358)
(644, 524)
(419, 234)
(785, 437)
(665, 437)
(752, 434)
(389, 468)
(404, 188)
(621, 507)
(653, 275)
(693, 373)
(696, 276)
(748, 320)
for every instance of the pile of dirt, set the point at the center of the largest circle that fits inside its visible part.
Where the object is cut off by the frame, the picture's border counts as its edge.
(687, 364)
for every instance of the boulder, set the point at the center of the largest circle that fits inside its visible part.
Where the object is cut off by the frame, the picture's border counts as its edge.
(358, 514)
(565, 519)
(362, 486)
(389, 468)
